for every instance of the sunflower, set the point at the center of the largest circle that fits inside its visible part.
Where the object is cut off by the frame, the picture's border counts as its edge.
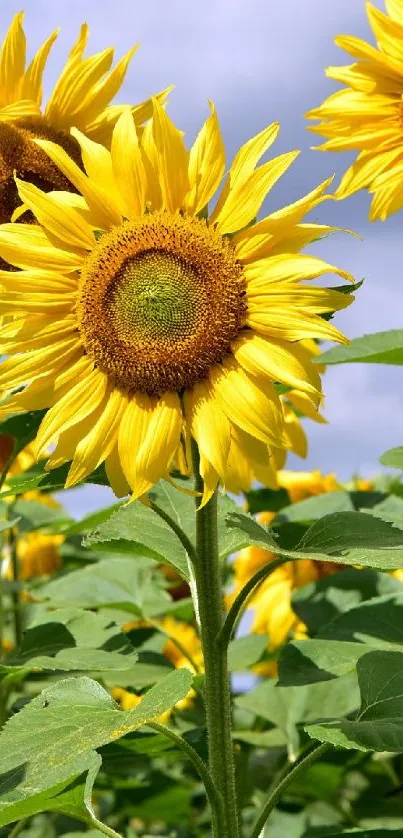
(367, 115)
(80, 98)
(140, 322)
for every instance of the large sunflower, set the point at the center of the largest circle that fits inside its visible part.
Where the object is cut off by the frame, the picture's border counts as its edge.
(140, 322)
(368, 115)
(80, 99)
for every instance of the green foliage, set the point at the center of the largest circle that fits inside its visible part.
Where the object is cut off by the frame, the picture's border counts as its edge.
(393, 458)
(378, 348)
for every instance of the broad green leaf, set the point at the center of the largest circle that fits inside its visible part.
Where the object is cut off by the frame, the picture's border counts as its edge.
(90, 521)
(48, 481)
(320, 602)
(260, 500)
(7, 524)
(128, 584)
(313, 508)
(377, 348)
(36, 515)
(286, 707)
(352, 538)
(339, 645)
(69, 639)
(393, 458)
(379, 722)
(243, 652)
(53, 738)
(390, 509)
(136, 528)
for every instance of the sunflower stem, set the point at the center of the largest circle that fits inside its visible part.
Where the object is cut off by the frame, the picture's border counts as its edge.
(217, 690)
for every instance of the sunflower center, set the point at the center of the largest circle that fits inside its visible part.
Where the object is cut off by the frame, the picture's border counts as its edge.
(19, 154)
(160, 301)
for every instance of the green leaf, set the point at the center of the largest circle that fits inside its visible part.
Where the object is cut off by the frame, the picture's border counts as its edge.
(51, 741)
(390, 509)
(90, 521)
(260, 500)
(36, 515)
(49, 481)
(377, 348)
(243, 652)
(136, 528)
(320, 602)
(128, 584)
(379, 723)
(352, 538)
(393, 458)
(313, 508)
(339, 645)
(286, 707)
(70, 639)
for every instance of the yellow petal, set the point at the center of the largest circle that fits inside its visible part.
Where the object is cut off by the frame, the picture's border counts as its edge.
(115, 475)
(27, 246)
(99, 200)
(206, 164)
(287, 363)
(32, 83)
(128, 166)
(161, 439)
(63, 222)
(248, 401)
(12, 60)
(23, 368)
(290, 267)
(304, 406)
(132, 431)
(295, 433)
(293, 325)
(80, 401)
(244, 200)
(209, 425)
(100, 441)
(98, 96)
(77, 78)
(210, 479)
(172, 159)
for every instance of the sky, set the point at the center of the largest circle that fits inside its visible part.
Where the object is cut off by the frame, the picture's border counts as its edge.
(260, 61)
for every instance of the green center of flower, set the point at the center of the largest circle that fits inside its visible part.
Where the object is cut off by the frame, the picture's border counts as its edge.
(154, 297)
(161, 299)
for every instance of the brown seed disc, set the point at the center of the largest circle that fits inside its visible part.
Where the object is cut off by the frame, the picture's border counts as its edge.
(160, 301)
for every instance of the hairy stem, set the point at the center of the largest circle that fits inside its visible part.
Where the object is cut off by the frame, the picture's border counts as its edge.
(239, 604)
(217, 692)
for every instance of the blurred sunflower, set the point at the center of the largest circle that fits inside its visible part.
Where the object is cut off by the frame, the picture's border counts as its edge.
(141, 323)
(38, 553)
(367, 116)
(80, 98)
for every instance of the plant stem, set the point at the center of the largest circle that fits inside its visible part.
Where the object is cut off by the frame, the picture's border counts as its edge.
(103, 828)
(237, 607)
(19, 826)
(12, 543)
(217, 691)
(215, 799)
(275, 795)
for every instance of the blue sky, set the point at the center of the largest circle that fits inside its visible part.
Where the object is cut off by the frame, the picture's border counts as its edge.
(260, 61)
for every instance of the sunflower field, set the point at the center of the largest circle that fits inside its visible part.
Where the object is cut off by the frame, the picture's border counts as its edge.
(216, 649)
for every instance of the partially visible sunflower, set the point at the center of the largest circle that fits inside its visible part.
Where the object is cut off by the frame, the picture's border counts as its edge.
(306, 484)
(80, 98)
(367, 115)
(139, 323)
(38, 553)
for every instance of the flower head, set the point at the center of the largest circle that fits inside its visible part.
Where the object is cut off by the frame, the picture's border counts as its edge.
(140, 323)
(80, 98)
(367, 115)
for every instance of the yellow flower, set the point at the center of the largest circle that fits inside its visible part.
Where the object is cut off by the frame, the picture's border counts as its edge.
(189, 641)
(367, 115)
(141, 322)
(80, 98)
(305, 484)
(38, 553)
